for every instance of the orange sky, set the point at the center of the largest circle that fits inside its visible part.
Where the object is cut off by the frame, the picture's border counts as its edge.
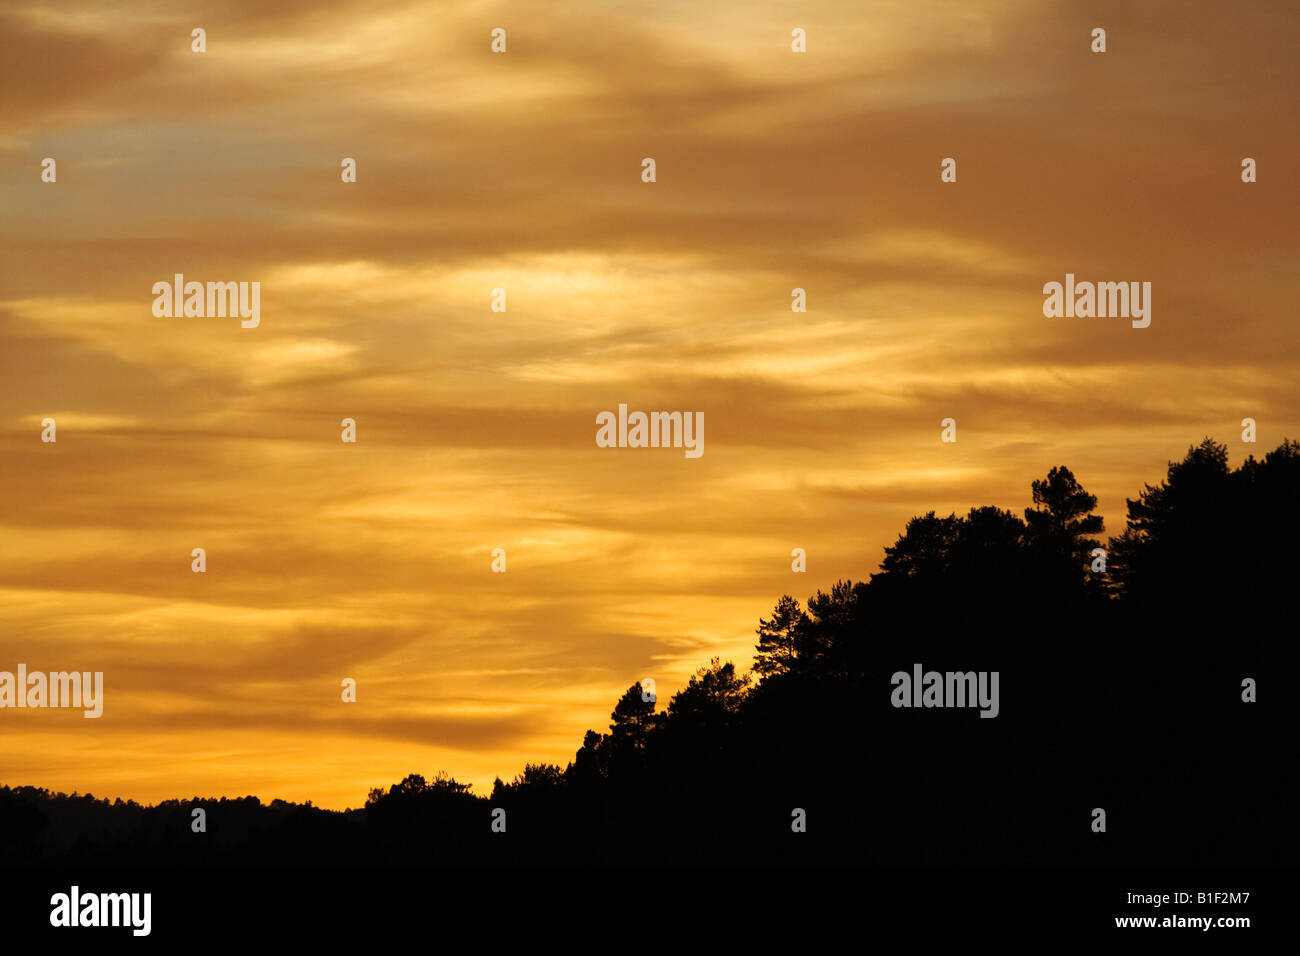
(476, 429)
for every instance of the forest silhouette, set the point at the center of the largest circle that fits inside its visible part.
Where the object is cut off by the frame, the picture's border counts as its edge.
(1121, 690)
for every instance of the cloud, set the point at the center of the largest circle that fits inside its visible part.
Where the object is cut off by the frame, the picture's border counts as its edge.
(476, 428)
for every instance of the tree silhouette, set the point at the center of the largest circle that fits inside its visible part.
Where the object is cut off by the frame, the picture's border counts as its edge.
(1064, 521)
(633, 717)
(1093, 679)
(712, 694)
(778, 638)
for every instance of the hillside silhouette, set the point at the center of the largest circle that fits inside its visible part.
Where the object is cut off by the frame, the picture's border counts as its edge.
(1119, 689)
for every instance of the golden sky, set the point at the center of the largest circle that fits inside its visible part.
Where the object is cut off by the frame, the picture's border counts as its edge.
(476, 429)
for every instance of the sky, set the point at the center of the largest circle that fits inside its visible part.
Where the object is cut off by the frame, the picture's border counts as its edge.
(522, 171)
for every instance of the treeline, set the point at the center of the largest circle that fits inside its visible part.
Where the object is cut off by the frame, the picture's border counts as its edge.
(1148, 678)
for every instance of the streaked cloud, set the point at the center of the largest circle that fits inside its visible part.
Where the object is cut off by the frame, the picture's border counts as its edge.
(476, 428)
